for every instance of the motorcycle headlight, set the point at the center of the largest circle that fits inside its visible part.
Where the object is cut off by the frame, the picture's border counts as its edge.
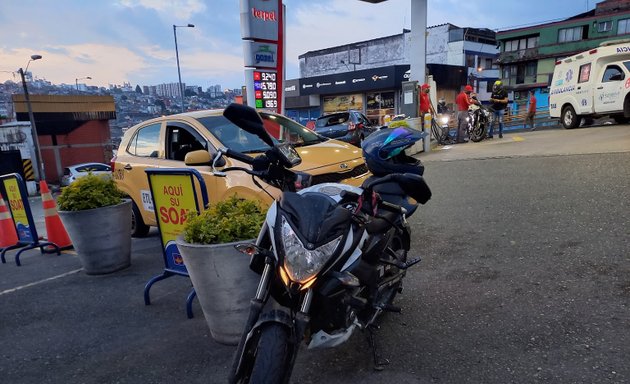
(445, 120)
(302, 264)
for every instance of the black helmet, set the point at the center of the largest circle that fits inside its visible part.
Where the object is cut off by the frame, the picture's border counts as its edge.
(384, 151)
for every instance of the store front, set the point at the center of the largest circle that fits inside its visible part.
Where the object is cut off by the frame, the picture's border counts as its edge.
(374, 92)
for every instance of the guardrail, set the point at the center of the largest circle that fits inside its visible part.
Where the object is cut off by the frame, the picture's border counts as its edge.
(513, 121)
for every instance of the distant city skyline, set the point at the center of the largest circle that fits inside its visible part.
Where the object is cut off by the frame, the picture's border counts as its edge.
(132, 41)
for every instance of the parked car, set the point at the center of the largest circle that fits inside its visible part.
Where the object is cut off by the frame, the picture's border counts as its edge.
(351, 127)
(73, 172)
(164, 142)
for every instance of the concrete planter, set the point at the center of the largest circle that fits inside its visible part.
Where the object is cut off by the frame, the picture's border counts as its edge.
(101, 237)
(224, 284)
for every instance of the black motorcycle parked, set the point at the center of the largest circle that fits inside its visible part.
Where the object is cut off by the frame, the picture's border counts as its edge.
(331, 257)
(478, 122)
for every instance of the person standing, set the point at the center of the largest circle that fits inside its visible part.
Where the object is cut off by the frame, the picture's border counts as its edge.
(463, 101)
(531, 111)
(499, 101)
(425, 103)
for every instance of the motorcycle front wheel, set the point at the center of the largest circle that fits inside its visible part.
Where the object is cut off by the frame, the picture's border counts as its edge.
(478, 132)
(271, 355)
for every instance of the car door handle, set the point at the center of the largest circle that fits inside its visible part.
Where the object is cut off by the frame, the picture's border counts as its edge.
(128, 167)
(600, 87)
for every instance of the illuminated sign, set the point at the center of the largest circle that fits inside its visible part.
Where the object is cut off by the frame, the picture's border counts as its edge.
(260, 55)
(266, 89)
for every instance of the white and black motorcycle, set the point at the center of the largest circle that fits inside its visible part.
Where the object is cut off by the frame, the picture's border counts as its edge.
(331, 256)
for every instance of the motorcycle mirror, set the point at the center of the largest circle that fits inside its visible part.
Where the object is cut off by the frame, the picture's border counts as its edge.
(218, 161)
(248, 119)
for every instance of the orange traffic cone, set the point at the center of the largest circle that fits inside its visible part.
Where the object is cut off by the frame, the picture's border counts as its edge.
(8, 235)
(56, 232)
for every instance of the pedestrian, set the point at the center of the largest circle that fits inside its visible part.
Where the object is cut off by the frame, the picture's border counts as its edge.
(441, 106)
(531, 111)
(425, 104)
(463, 101)
(499, 101)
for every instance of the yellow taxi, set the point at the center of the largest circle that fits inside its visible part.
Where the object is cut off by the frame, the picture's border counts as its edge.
(165, 141)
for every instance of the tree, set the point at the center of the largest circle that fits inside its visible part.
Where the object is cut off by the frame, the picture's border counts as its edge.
(138, 89)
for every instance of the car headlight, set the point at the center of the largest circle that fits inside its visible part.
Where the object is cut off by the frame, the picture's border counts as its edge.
(302, 264)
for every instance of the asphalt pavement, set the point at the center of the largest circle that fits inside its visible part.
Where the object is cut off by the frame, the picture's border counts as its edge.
(525, 278)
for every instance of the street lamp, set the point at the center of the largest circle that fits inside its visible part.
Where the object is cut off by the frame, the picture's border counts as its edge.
(38, 154)
(81, 78)
(179, 75)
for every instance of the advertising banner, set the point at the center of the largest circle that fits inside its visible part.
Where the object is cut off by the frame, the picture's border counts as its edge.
(18, 210)
(343, 103)
(173, 198)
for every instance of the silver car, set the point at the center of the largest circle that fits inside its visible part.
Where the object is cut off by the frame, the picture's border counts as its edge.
(73, 172)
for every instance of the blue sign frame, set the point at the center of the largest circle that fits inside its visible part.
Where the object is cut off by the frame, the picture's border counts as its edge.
(27, 236)
(170, 253)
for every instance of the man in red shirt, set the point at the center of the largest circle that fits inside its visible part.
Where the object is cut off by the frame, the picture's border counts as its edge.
(463, 101)
(531, 111)
(425, 104)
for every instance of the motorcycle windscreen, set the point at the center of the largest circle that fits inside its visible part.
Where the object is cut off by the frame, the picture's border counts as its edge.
(316, 217)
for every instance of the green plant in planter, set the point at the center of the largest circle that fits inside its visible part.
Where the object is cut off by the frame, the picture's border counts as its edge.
(89, 192)
(226, 221)
(398, 123)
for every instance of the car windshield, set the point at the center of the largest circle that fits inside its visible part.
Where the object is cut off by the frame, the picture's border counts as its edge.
(334, 119)
(279, 127)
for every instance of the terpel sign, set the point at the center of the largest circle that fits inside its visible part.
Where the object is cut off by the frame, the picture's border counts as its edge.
(259, 20)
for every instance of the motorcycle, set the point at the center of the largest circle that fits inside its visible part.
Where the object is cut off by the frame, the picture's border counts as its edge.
(331, 257)
(478, 122)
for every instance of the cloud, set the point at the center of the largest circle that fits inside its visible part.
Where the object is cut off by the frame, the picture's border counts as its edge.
(181, 9)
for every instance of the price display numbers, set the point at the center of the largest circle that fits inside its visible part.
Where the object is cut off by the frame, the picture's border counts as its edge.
(266, 89)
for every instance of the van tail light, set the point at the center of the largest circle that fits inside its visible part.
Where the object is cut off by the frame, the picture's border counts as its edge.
(351, 126)
(112, 163)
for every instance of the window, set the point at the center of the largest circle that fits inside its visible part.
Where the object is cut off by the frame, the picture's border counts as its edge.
(585, 73)
(532, 42)
(182, 139)
(530, 69)
(623, 26)
(488, 64)
(627, 65)
(93, 168)
(146, 142)
(521, 44)
(570, 34)
(604, 26)
(613, 73)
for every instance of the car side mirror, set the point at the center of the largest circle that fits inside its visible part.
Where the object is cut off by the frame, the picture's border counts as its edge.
(201, 157)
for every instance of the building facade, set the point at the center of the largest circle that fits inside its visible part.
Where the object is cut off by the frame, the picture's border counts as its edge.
(528, 55)
(368, 75)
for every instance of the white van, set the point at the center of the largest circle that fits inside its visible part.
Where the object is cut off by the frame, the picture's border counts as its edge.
(591, 84)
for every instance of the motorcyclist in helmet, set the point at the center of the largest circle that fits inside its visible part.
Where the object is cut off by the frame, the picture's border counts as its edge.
(499, 101)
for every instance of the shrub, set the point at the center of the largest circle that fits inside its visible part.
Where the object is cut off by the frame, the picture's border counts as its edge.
(89, 192)
(226, 221)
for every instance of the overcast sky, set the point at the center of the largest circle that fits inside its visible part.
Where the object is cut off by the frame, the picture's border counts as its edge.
(116, 41)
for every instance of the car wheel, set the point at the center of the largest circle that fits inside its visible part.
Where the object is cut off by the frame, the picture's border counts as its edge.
(569, 118)
(138, 227)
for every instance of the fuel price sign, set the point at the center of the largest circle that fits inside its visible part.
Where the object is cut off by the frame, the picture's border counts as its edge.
(266, 89)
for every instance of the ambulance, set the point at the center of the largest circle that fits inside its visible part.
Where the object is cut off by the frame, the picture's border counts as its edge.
(591, 84)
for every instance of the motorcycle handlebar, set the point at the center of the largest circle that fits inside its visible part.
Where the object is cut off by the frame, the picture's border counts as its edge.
(238, 156)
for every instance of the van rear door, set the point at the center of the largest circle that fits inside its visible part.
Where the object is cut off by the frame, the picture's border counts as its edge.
(609, 93)
(584, 89)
